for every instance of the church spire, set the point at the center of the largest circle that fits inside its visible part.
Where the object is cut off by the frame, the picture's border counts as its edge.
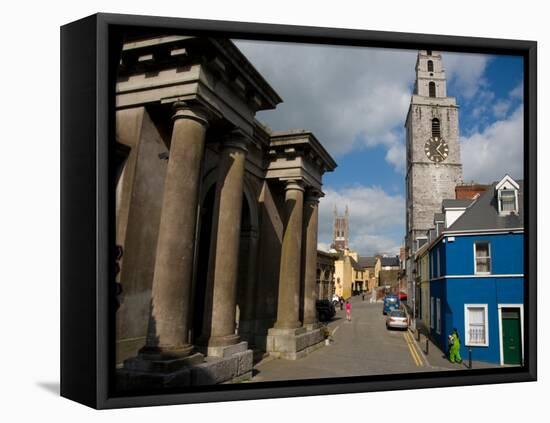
(340, 230)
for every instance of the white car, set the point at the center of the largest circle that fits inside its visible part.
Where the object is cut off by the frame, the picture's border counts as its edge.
(397, 319)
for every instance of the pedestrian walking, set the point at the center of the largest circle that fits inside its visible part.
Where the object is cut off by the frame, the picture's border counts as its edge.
(341, 303)
(454, 347)
(348, 310)
(363, 296)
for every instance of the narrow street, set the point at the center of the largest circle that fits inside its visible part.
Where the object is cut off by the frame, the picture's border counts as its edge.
(361, 347)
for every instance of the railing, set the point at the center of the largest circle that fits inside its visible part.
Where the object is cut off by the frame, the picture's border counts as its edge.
(476, 336)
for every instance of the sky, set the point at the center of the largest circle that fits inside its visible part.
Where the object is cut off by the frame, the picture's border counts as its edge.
(355, 100)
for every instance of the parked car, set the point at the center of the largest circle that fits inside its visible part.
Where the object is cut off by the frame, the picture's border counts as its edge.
(325, 310)
(391, 302)
(397, 319)
(403, 296)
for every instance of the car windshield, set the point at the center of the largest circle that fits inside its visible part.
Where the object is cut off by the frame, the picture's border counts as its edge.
(391, 300)
(397, 313)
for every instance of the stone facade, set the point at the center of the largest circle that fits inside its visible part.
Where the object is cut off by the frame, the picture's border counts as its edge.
(325, 274)
(431, 175)
(216, 214)
(340, 230)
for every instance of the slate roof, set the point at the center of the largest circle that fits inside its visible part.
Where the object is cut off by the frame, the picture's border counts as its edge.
(390, 261)
(367, 261)
(449, 203)
(439, 217)
(483, 213)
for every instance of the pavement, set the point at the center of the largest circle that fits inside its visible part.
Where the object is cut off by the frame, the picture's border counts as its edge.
(438, 360)
(361, 347)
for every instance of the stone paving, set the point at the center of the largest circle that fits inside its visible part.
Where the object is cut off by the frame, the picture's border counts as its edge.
(361, 347)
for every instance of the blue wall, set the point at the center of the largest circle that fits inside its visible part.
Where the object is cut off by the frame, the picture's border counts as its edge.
(456, 258)
(506, 254)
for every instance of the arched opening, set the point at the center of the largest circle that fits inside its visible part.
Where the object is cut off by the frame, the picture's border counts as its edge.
(319, 280)
(431, 87)
(245, 280)
(436, 128)
(430, 66)
(202, 262)
(245, 258)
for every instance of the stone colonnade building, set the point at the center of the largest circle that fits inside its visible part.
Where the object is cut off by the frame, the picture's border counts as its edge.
(216, 214)
(325, 274)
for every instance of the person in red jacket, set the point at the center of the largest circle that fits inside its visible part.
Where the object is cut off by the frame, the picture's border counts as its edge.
(348, 310)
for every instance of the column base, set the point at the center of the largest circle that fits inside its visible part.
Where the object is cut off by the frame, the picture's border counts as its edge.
(292, 344)
(234, 365)
(312, 326)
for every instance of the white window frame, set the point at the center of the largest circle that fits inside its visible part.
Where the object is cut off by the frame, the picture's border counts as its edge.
(490, 258)
(432, 311)
(499, 201)
(467, 325)
(438, 315)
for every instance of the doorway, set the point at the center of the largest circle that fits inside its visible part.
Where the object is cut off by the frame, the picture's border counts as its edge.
(511, 335)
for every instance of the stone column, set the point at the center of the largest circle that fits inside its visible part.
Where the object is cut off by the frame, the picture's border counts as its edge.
(169, 321)
(288, 308)
(219, 323)
(311, 219)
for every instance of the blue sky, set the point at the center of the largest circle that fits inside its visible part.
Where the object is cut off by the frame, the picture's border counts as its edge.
(355, 100)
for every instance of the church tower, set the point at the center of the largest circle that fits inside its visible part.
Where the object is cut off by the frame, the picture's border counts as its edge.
(434, 166)
(340, 230)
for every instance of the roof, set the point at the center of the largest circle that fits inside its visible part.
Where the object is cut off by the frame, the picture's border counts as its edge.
(367, 261)
(452, 203)
(483, 214)
(439, 217)
(389, 261)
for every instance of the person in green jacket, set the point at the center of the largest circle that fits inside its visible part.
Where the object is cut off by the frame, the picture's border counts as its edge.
(454, 348)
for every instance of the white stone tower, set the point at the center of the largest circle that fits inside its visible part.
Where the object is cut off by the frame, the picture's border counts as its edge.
(434, 166)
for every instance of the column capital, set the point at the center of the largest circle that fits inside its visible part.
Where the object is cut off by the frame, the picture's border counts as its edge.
(313, 195)
(237, 138)
(193, 111)
(294, 185)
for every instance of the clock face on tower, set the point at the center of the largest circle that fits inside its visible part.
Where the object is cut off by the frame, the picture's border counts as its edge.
(436, 149)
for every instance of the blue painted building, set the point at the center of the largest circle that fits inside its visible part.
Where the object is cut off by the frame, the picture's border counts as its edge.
(477, 274)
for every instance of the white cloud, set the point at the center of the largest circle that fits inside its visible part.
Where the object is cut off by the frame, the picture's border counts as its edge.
(495, 151)
(465, 71)
(348, 96)
(500, 108)
(376, 218)
(353, 96)
(517, 92)
(396, 155)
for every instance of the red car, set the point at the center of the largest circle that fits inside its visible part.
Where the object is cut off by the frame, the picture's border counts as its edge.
(402, 296)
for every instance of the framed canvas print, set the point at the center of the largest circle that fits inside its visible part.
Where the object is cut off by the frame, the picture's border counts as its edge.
(258, 211)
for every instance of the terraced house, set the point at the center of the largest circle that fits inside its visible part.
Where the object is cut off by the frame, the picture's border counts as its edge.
(476, 261)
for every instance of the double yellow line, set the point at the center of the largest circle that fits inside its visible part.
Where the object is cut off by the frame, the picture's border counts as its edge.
(412, 349)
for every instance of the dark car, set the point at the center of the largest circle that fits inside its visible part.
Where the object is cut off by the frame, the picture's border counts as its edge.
(325, 310)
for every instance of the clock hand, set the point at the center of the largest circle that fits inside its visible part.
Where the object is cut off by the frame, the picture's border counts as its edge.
(437, 149)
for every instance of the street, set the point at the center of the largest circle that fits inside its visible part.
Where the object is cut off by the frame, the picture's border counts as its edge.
(361, 347)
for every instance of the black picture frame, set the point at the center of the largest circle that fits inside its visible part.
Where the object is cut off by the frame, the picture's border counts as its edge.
(88, 62)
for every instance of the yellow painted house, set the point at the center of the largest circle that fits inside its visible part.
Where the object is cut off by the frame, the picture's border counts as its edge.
(349, 276)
